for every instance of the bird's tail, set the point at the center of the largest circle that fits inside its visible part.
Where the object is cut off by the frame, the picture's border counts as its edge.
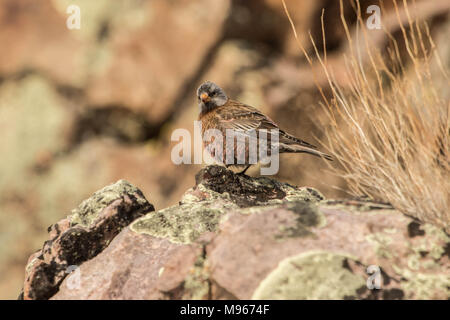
(296, 148)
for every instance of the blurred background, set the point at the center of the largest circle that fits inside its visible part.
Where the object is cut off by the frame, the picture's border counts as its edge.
(80, 109)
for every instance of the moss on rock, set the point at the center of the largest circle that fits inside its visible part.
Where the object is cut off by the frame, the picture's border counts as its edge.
(182, 224)
(310, 275)
(427, 274)
(197, 285)
(423, 286)
(305, 194)
(87, 212)
(381, 242)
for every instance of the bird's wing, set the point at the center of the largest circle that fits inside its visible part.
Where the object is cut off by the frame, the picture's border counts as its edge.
(240, 117)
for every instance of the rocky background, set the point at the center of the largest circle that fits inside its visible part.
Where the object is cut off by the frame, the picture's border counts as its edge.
(80, 109)
(236, 237)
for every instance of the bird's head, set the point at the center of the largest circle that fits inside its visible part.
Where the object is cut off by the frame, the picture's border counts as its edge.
(210, 96)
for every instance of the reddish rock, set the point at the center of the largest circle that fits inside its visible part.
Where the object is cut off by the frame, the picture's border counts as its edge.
(231, 238)
(150, 67)
(37, 39)
(81, 236)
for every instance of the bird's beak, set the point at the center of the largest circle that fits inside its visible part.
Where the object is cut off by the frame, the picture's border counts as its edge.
(205, 98)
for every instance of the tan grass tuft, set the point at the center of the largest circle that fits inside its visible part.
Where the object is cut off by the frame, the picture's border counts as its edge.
(389, 126)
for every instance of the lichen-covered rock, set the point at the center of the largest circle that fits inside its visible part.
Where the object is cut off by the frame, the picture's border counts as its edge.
(217, 182)
(321, 275)
(236, 237)
(81, 236)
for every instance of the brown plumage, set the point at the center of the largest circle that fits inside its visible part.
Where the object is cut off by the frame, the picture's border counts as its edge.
(219, 112)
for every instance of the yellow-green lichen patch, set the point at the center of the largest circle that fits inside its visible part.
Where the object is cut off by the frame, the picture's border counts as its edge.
(30, 265)
(213, 194)
(427, 250)
(87, 212)
(257, 209)
(311, 275)
(390, 230)
(305, 194)
(263, 182)
(33, 119)
(196, 285)
(188, 197)
(191, 197)
(381, 242)
(424, 286)
(366, 208)
(181, 224)
(434, 241)
(427, 272)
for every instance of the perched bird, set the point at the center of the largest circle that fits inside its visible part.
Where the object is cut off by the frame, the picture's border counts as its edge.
(219, 112)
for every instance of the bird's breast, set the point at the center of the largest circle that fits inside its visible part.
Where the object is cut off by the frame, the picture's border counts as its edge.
(209, 120)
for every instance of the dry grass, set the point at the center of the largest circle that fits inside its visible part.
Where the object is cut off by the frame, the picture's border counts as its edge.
(389, 126)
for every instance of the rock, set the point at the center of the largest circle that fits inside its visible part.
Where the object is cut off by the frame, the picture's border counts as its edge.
(149, 79)
(35, 121)
(236, 237)
(82, 236)
(37, 39)
(82, 108)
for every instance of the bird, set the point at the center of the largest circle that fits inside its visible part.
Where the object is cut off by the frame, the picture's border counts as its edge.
(221, 114)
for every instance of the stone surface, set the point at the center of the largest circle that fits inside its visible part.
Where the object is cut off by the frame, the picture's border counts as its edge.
(37, 39)
(151, 81)
(82, 108)
(236, 237)
(81, 236)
